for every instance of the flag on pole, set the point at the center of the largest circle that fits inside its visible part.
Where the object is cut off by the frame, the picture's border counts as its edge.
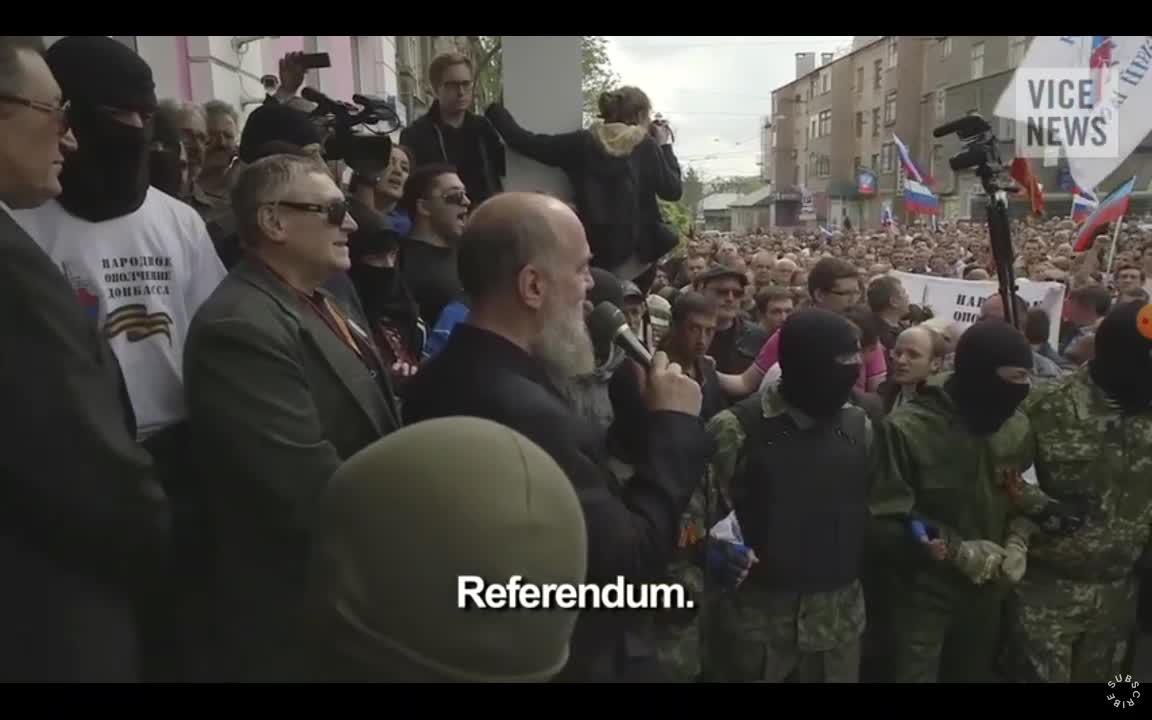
(1121, 95)
(918, 196)
(1110, 209)
(911, 169)
(1083, 203)
(1022, 173)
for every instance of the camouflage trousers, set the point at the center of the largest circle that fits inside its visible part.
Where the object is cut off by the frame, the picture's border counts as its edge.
(753, 635)
(1066, 631)
(941, 628)
(677, 648)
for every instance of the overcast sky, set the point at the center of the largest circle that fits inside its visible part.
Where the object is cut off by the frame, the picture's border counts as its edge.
(714, 89)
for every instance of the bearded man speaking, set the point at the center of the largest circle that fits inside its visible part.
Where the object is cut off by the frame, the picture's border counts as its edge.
(523, 260)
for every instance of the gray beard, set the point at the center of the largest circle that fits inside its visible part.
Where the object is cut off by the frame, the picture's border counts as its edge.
(564, 346)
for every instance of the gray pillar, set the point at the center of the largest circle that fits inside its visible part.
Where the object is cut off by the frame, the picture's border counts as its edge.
(542, 89)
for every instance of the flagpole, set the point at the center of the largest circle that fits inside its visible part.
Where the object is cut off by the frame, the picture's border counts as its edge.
(1112, 250)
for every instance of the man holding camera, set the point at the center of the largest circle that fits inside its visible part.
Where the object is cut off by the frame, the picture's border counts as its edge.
(451, 133)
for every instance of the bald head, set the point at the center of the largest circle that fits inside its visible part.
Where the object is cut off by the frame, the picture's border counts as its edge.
(509, 232)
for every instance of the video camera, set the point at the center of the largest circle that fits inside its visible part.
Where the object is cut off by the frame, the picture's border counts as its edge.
(359, 131)
(981, 154)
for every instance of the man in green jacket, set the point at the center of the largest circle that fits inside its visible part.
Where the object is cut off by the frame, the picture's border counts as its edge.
(945, 488)
(1072, 614)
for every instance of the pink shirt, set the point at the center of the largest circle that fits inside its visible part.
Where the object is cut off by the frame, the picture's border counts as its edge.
(872, 372)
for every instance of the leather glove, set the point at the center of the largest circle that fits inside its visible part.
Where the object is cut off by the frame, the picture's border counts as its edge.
(978, 560)
(1064, 516)
(1016, 549)
(728, 563)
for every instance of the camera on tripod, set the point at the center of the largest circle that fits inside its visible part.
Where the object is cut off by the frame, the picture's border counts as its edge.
(980, 153)
(358, 132)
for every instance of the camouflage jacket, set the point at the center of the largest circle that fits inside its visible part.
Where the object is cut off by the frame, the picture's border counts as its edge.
(1083, 444)
(927, 465)
(820, 621)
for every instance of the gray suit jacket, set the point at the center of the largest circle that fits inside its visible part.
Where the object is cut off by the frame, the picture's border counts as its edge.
(82, 520)
(276, 403)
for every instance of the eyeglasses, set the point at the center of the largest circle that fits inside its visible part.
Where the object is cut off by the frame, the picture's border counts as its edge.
(335, 210)
(456, 198)
(61, 112)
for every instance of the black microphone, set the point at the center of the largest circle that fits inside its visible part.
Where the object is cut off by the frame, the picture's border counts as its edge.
(607, 325)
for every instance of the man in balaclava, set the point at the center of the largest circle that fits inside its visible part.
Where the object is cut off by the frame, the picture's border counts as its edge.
(944, 496)
(1074, 613)
(484, 505)
(794, 459)
(140, 260)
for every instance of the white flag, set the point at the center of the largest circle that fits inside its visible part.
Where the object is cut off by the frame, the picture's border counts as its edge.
(1119, 98)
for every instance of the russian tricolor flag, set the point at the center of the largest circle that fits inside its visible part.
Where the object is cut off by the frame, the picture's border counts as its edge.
(1083, 203)
(1111, 209)
(919, 199)
(911, 169)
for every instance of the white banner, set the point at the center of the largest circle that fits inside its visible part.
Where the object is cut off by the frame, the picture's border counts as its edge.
(1119, 95)
(960, 300)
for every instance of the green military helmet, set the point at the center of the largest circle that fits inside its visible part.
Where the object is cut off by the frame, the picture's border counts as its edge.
(402, 520)
(660, 313)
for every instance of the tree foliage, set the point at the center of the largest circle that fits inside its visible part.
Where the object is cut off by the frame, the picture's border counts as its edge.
(677, 216)
(599, 76)
(693, 190)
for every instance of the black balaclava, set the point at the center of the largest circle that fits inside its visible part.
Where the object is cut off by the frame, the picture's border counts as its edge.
(1122, 366)
(811, 379)
(164, 159)
(984, 399)
(107, 176)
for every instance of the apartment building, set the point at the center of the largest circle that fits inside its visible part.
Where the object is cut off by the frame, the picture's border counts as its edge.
(968, 74)
(838, 117)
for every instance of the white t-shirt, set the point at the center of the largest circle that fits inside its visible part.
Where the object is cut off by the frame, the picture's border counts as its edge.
(141, 278)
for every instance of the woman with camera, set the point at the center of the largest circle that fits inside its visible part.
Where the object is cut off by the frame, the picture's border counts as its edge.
(618, 168)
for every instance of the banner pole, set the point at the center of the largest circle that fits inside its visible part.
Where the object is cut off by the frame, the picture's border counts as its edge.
(1112, 250)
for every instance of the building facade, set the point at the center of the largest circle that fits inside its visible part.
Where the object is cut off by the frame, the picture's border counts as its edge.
(839, 116)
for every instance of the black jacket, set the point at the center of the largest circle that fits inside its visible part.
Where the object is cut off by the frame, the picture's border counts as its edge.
(83, 523)
(617, 172)
(474, 148)
(632, 531)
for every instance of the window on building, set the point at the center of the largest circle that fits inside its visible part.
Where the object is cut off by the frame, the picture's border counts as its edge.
(795, 174)
(773, 136)
(941, 104)
(825, 166)
(946, 47)
(878, 71)
(812, 86)
(812, 129)
(890, 107)
(893, 46)
(875, 122)
(875, 161)
(859, 124)
(855, 163)
(860, 79)
(937, 161)
(977, 60)
(825, 123)
(826, 81)
(887, 157)
(1017, 46)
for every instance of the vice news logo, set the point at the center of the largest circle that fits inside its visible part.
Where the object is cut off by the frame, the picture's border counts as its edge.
(1074, 108)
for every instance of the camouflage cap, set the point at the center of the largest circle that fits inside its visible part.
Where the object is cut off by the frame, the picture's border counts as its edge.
(403, 519)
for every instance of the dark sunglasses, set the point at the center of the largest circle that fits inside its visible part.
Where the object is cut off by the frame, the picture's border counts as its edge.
(335, 210)
(60, 112)
(459, 198)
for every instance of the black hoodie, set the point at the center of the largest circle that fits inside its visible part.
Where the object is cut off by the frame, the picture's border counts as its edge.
(474, 149)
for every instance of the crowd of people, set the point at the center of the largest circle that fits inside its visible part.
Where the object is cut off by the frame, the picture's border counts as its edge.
(274, 406)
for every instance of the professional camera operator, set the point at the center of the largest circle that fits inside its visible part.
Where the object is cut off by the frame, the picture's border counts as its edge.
(617, 168)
